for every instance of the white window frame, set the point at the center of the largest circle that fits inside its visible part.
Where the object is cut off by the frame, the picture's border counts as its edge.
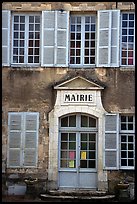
(82, 41)
(127, 133)
(22, 148)
(25, 64)
(124, 12)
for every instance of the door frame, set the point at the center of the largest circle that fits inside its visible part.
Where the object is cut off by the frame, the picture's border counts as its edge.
(54, 115)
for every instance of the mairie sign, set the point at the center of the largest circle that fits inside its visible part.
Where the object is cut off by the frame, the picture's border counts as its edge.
(75, 97)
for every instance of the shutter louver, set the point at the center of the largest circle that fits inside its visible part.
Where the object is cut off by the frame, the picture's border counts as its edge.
(111, 141)
(31, 140)
(108, 35)
(15, 128)
(54, 38)
(5, 38)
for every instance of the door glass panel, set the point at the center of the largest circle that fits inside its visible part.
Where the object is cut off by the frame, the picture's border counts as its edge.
(72, 121)
(64, 122)
(92, 122)
(83, 137)
(91, 164)
(72, 137)
(68, 150)
(83, 145)
(84, 121)
(92, 137)
(88, 150)
(83, 164)
(78, 147)
(87, 121)
(69, 121)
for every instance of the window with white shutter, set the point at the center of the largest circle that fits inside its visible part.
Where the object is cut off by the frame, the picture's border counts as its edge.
(108, 38)
(5, 38)
(23, 139)
(111, 159)
(55, 26)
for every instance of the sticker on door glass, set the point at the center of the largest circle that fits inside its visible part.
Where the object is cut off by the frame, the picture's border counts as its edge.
(72, 155)
(83, 155)
(71, 163)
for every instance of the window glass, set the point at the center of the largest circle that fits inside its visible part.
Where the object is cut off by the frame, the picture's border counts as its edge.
(127, 139)
(82, 40)
(26, 35)
(127, 46)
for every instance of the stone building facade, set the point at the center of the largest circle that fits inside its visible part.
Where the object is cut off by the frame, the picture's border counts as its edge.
(68, 95)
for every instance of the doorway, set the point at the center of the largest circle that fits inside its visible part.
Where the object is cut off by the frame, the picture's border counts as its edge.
(78, 151)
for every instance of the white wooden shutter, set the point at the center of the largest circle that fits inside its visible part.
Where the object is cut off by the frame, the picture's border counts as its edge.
(31, 139)
(111, 159)
(61, 38)
(108, 38)
(48, 36)
(5, 38)
(54, 38)
(14, 139)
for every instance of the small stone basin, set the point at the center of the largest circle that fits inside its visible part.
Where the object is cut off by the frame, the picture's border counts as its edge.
(122, 185)
(30, 181)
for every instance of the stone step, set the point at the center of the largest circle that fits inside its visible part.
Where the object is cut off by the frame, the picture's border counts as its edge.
(77, 195)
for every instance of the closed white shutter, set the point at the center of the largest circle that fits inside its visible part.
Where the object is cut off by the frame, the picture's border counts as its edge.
(5, 38)
(111, 141)
(23, 139)
(31, 139)
(15, 139)
(108, 38)
(54, 38)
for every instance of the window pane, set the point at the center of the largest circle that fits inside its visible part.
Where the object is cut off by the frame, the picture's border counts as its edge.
(83, 164)
(64, 145)
(123, 162)
(123, 146)
(130, 162)
(16, 18)
(72, 121)
(84, 121)
(64, 136)
(124, 154)
(83, 146)
(92, 155)
(83, 136)
(72, 136)
(72, 145)
(36, 59)
(92, 163)
(63, 154)
(92, 137)
(64, 163)
(64, 122)
(92, 122)
(92, 146)
(22, 19)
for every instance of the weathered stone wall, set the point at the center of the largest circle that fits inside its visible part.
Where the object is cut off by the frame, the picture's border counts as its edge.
(32, 89)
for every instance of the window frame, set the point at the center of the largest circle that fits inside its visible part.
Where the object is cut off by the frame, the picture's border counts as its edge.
(121, 65)
(26, 39)
(127, 133)
(82, 55)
